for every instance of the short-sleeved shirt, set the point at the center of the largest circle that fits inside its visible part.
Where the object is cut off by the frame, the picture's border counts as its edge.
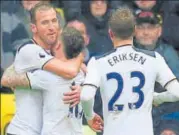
(58, 118)
(126, 77)
(28, 116)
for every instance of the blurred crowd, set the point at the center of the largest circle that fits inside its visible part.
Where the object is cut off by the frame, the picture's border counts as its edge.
(15, 22)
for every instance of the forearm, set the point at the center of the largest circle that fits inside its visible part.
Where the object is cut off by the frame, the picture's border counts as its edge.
(160, 98)
(11, 79)
(87, 100)
(88, 109)
(173, 88)
(68, 69)
(87, 93)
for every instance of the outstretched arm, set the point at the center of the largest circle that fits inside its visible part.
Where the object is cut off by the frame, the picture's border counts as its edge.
(166, 77)
(31, 57)
(173, 88)
(163, 97)
(11, 79)
(68, 69)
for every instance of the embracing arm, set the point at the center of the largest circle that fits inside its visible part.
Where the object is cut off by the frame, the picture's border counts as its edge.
(68, 69)
(32, 57)
(11, 79)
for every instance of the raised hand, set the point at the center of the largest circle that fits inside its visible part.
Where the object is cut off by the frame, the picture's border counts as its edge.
(96, 124)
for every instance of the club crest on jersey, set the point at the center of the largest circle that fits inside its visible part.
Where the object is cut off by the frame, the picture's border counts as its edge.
(42, 55)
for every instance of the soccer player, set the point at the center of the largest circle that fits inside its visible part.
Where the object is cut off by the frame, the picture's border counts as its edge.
(56, 118)
(33, 55)
(126, 76)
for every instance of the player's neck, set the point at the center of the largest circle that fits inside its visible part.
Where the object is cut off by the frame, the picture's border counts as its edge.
(119, 42)
(61, 57)
(41, 43)
(59, 54)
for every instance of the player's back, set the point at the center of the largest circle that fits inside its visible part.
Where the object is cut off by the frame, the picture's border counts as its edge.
(127, 84)
(58, 118)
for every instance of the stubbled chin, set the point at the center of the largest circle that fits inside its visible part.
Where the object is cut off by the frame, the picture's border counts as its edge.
(52, 41)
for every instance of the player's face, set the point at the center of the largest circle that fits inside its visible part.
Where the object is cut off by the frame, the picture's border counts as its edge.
(147, 34)
(47, 26)
(145, 4)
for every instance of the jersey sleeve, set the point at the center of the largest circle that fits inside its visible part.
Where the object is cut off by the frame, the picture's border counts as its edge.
(92, 77)
(79, 79)
(37, 80)
(31, 57)
(164, 73)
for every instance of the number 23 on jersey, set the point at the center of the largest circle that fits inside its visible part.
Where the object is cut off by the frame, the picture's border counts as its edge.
(136, 89)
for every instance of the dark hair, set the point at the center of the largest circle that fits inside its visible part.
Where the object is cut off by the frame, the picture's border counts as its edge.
(37, 7)
(73, 42)
(122, 22)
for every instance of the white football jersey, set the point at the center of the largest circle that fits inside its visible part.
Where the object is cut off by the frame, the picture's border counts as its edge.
(126, 78)
(58, 118)
(28, 116)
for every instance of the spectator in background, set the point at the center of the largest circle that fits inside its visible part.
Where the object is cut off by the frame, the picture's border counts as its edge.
(145, 5)
(80, 26)
(95, 14)
(73, 9)
(96, 18)
(169, 10)
(147, 33)
(24, 6)
(11, 30)
(170, 13)
(168, 128)
(15, 28)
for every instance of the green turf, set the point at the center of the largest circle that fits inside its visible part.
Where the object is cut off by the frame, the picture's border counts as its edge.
(88, 131)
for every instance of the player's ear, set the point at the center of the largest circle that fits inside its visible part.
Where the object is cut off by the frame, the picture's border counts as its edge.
(87, 39)
(33, 28)
(58, 46)
(60, 31)
(135, 29)
(159, 31)
(111, 34)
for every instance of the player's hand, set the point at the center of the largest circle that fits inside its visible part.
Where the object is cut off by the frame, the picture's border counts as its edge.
(156, 99)
(72, 97)
(96, 124)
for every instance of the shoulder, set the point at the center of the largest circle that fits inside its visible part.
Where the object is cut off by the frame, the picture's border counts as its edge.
(159, 57)
(45, 76)
(29, 48)
(27, 44)
(79, 79)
